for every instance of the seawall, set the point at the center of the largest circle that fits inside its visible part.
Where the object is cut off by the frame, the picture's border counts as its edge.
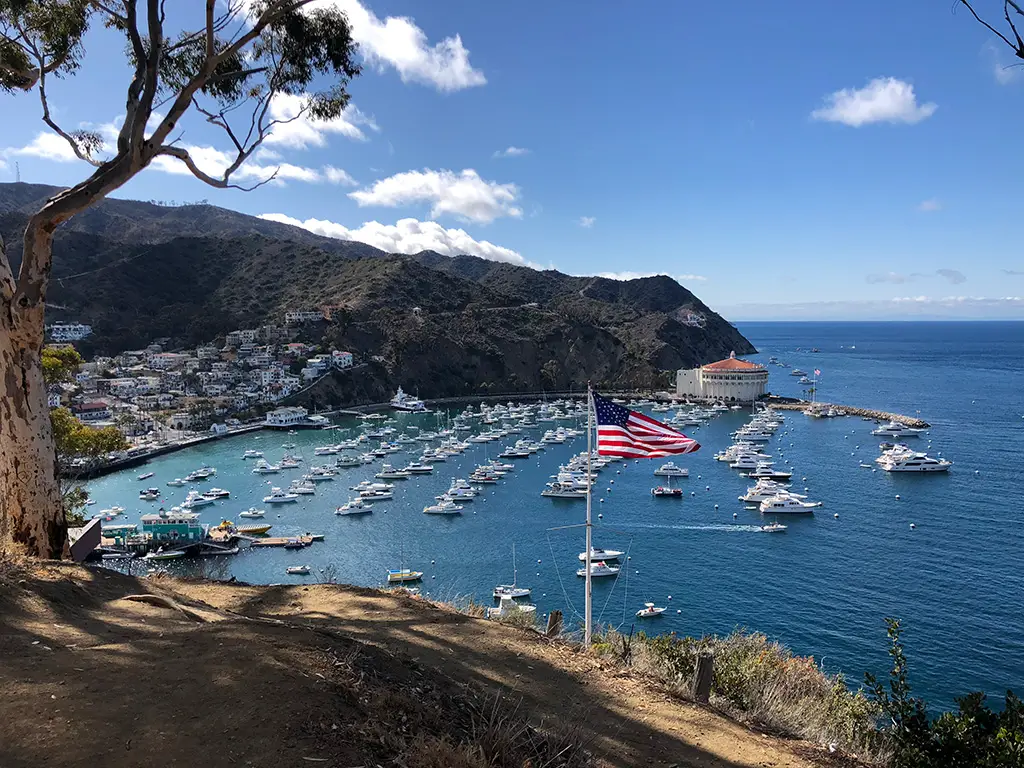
(788, 404)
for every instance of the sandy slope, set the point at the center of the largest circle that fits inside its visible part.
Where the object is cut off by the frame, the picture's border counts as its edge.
(280, 676)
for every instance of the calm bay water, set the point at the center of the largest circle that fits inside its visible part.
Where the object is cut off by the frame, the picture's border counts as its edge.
(823, 587)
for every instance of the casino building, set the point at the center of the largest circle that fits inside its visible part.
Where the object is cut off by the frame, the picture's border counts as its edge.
(729, 380)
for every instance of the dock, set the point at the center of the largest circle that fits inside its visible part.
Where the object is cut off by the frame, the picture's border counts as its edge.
(868, 413)
(282, 541)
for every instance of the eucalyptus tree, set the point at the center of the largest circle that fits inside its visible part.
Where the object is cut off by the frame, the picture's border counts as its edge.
(227, 69)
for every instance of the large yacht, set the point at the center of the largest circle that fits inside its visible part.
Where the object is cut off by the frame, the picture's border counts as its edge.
(911, 461)
(787, 504)
(895, 429)
(403, 402)
(671, 470)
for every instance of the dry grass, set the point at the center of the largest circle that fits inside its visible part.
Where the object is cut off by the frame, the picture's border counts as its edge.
(760, 682)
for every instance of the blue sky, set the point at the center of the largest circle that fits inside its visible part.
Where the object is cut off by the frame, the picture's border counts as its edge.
(784, 160)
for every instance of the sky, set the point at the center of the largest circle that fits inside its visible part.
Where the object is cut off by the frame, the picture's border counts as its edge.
(781, 160)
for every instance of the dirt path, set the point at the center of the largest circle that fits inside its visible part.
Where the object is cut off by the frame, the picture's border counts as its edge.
(86, 674)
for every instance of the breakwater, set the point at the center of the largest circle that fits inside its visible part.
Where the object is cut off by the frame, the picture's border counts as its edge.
(790, 404)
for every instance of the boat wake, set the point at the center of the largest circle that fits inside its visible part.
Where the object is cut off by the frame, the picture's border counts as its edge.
(713, 527)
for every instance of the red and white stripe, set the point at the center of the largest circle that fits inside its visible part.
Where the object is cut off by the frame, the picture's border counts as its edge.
(642, 438)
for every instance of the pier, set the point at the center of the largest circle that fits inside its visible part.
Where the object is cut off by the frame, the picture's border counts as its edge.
(790, 404)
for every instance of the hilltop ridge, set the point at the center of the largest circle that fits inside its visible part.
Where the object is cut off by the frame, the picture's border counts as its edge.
(442, 326)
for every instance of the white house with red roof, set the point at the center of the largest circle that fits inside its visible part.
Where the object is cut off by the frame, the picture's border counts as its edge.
(729, 380)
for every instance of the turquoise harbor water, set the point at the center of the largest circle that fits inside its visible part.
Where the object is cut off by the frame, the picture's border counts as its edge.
(823, 587)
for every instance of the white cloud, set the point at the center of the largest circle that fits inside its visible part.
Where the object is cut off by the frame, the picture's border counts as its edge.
(587, 221)
(397, 42)
(929, 206)
(303, 131)
(638, 275)
(464, 195)
(883, 100)
(408, 236)
(902, 307)
(48, 146)
(338, 176)
(512, 152)
(954, 276)
(1004, 70)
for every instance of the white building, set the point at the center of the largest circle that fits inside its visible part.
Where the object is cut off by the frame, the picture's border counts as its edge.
(61, 332)
(296, 316)
(287, 417)
(729, 380)
(342, 359)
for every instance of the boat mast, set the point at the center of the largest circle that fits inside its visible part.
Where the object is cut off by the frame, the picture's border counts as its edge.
(588, 626)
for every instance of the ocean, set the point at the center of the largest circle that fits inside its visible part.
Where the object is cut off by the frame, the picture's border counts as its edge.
(823, 588)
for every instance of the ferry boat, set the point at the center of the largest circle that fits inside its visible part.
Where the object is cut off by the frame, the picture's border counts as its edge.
(403, 402)
(671, 470)
(403, 575)
(649, 611)
(277, 496)
(600, 568)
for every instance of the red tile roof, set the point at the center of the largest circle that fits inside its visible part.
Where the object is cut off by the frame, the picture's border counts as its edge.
(733, 363)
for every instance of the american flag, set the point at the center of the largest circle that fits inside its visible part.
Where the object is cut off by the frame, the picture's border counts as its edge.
(631, 435)
(817, 372)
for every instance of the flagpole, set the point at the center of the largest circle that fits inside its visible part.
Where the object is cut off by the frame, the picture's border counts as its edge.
(588, 627)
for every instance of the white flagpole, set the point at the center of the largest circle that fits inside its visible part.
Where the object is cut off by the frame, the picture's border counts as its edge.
(588, 623)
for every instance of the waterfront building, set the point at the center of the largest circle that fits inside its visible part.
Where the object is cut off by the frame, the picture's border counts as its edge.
(94, 411)
(730, 380)
(287, 417)
(174, 526)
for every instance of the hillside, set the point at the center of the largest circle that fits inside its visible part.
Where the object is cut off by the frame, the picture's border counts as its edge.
(235, 675)
(443, 326)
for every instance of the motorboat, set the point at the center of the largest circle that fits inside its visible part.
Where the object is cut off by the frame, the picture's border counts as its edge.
(326, 450)
(507, 606)
(601, 554)
(562, 490)
(297, 570)
(375, 495)
(649, 611)
(668, 492)
(150, 494)
(773, 527)
(194, 499)
(766, 471)
(910, 461)
(252, 454)
(264, 467)
(403, 575)
(786, 504)
(165, 554)
(317, 474)
(443, 508)
(144, 476)
(797, 372)
(671, 470)
(217, 493)
(288, 463)
(344, 462)
(302, 487)
(766, 489)
(176, 482)
(252, 513)
(416, 468)
(895, 429)
(277, 496)
(353, 507)
(748, 461)
(287, 446)
(369, 485)
(600, 568)
(388, 472)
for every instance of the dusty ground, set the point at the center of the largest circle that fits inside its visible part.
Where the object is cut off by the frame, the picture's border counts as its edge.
(319, 675)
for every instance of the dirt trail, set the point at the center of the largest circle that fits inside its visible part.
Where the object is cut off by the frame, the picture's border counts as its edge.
(90, 678)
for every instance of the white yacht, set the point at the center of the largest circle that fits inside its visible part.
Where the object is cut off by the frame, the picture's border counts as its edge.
(252, 513)
(376, 495)
(600, 568)
(264, 467)
(326, 450)
(369, 485)
(909, 461)
(649, 611)
(316, 474)
(786, 504)
(507, 606)
(563, 490)
(177, 482)
(195, 499)
(601, 554)
(388, 472)
(277, 496)
(353, 507)
(252, 454)
(671, 470)
(747, 461)
(766, 489)
(302, 487)
(343, 462)
(417, 468)
(443, 508)
(766, 471)
(288, 463)
(895, 429)
(403, 402)
(773, 527)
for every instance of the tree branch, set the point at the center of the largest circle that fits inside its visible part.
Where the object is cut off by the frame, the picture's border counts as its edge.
(224, 182)
(79, 153)
(1019, 49)
(210, 48)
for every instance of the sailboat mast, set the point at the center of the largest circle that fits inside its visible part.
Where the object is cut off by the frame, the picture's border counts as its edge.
(588, 613)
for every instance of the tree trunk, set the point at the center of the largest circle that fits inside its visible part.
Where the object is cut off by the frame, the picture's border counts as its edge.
(31, 514)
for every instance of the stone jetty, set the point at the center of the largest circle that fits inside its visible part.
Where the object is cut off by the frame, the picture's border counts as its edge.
(788, 404)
